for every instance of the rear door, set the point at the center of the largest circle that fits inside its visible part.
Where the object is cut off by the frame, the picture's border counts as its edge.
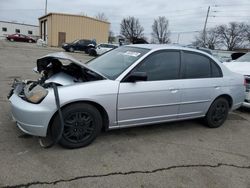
(81, 45)
(198, 85)
(22, 38)
(155, 100)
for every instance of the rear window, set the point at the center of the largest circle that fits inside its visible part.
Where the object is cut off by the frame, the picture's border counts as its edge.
(199, 66)
(196, 65)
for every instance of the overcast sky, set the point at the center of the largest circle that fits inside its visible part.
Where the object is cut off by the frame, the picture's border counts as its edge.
(185, 17)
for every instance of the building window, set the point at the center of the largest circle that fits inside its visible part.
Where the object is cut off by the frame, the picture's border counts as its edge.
(4, 29)
(17, 30)
(30, 32)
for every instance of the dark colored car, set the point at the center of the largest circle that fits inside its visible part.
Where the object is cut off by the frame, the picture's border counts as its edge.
(20, 38)
(79, 45)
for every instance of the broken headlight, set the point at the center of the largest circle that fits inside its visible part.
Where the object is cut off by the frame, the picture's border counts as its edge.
(35, 94)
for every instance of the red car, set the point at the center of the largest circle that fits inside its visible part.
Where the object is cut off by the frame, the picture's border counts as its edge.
(20, 38)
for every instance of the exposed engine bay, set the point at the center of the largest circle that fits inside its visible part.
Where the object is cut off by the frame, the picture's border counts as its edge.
(58, 68)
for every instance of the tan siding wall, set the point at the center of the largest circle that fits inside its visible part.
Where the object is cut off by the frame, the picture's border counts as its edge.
(49, 31)
(76, 27)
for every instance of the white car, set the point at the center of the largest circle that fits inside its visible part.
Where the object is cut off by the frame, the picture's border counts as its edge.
(102, 48)
(242, 66)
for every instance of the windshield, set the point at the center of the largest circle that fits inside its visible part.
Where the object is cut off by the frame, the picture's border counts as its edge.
(244, 58)
(113, 63)
(75, 41)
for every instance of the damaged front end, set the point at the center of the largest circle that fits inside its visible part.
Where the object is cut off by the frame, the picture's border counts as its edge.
(57, 68)
(29, 91)
(33, 102)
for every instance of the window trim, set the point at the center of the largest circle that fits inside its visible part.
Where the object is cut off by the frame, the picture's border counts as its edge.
(216, 65)
(183, 66)
(153, 53)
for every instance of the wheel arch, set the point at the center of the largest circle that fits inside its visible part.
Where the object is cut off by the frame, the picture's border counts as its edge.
(100, 108)
(227, 97)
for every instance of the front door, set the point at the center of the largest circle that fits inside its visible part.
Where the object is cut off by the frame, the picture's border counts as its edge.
(155, 100)
(61, 38)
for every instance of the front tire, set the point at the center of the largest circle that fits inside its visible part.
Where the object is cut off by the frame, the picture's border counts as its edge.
(217, 113)
(82, 124)
(71, 49)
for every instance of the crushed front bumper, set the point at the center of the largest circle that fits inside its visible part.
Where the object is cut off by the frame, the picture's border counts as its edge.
(31, 118)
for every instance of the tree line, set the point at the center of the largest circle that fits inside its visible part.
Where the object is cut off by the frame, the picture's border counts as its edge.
(131, 29)
(235, 35)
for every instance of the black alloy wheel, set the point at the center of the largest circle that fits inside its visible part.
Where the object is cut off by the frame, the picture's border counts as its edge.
(217, 113)
(82, 124)
(78, 126)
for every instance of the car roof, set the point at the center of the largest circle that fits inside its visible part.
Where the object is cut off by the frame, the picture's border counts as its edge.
(165, 46)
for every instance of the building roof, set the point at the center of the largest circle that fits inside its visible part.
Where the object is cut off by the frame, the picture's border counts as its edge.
(66, 14)
(19, 23)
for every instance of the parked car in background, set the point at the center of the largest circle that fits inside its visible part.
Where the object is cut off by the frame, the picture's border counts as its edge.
(222, 55)
(79, 45)
(128, 86)
(20, 38)
(101, 49)
(242, 66)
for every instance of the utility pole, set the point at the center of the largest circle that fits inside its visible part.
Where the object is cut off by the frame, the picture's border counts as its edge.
(46, 3)
(205, 26)
(178, 39)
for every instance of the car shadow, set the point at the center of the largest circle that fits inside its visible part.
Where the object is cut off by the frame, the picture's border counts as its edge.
(154, 128)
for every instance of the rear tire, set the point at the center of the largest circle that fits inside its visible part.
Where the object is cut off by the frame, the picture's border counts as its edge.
(82, 124)
(217, 113)
(12, 40)
(86, 51)
(92, 52)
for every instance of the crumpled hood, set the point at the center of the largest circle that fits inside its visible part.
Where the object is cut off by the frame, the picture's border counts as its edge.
(239, 67)
(43, 62)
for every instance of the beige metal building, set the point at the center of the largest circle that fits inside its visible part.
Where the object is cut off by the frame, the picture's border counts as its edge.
(57, 28)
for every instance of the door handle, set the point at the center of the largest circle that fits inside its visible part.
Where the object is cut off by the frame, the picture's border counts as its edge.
(217, 87)
(173, 90)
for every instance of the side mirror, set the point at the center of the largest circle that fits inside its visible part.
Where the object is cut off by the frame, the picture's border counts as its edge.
(136, 76)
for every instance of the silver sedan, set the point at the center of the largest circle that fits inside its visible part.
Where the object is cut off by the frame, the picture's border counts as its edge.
(129, 86)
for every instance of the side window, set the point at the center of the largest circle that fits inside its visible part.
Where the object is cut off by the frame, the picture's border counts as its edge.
(162, 65)
(80, 42)
(17, 30)
(30, 32)
(195, 66)
(87, 42)
(4, 29)
(216, 71)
